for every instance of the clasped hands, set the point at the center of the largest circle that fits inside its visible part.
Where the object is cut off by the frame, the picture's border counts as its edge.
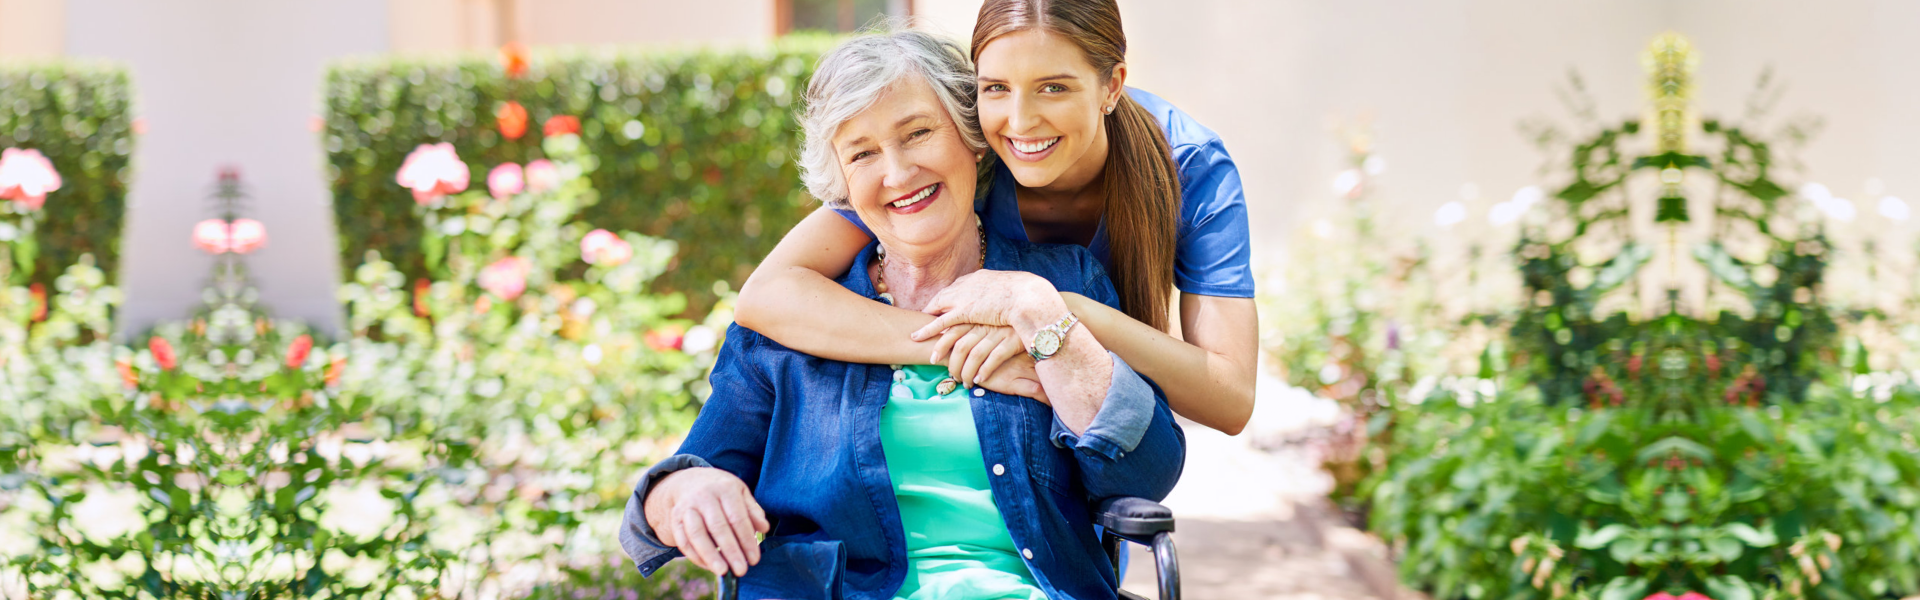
(982, 321)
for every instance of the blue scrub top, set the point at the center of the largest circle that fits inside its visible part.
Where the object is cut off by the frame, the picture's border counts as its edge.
(1214, 252)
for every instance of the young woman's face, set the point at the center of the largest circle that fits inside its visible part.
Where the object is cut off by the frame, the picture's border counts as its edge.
(1041, 106)
(910, 176)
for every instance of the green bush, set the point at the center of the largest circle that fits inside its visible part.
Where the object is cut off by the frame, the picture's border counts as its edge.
(81, 117)
(694, 146)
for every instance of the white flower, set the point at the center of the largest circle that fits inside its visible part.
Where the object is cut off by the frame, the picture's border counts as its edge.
(699, 338)
(1450, 214)
(1893, 208)
(108, 513)
(359, 511)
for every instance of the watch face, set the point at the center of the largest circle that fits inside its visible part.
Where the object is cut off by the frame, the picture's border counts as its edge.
(1046, 343)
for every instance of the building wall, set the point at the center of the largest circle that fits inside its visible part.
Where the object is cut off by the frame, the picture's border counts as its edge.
(448, 25)
(32, 28)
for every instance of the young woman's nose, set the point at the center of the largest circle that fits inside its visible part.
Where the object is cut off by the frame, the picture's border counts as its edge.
(1024, 116)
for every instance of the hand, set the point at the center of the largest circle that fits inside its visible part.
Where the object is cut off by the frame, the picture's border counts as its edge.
(711, 516)
(985, 297)
(974, 354)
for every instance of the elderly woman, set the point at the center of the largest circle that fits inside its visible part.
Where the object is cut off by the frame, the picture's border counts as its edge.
(872, 481)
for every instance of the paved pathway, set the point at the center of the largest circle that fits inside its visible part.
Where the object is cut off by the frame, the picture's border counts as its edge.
(1255, 523)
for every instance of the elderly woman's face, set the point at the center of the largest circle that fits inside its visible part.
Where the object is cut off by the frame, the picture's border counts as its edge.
(909, 174)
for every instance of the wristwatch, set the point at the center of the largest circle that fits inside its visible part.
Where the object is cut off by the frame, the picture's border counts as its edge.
(1048, 340)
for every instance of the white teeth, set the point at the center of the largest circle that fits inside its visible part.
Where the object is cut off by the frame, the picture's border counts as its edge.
(1032, 147)
(928, 191)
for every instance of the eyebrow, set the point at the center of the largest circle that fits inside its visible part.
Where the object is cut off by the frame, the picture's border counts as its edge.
(896, 125)
(1047, 78)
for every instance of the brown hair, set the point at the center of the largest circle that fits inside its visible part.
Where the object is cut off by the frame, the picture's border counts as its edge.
(1142, 186)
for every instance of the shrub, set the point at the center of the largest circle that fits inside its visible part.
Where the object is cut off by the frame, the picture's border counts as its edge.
(694, 146)
(81, 117)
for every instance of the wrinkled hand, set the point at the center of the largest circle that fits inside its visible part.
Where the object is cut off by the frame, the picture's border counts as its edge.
(989, 356)
(711, 516)
(988, 298)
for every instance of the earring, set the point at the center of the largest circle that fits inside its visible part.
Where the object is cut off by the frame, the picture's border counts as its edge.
(1109, 110)
(979, 156)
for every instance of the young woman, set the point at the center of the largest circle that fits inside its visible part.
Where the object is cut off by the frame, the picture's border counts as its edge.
(1083, 160)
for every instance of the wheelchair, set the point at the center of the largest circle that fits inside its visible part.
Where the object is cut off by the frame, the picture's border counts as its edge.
(1137, 520)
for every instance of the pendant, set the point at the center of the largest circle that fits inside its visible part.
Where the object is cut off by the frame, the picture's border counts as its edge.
(887, 298)
(946, 386)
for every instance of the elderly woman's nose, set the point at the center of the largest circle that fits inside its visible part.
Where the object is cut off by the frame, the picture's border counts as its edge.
(901, 169)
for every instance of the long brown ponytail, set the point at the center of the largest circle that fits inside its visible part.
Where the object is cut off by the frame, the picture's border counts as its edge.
(1142, 186)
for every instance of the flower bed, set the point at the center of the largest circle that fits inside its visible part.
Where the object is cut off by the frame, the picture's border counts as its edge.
(79, 117)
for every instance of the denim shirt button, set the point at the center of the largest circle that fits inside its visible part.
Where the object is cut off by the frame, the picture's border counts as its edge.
(999, 469)
(979, 392)
(1027, 552)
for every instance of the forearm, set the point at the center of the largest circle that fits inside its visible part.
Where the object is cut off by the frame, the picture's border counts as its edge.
(1076, 378)
(1212, 388)
(803, 310)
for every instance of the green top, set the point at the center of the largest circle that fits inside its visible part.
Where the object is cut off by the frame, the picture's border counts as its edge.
(957, 544)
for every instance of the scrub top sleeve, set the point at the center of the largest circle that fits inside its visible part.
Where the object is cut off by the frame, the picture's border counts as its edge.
(854, 219)
(1215, 253)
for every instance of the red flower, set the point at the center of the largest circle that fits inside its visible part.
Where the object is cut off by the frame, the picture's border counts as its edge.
(432, 171)
(562, 125)
(542, 175)
(665, 338)
(39, 293)
(513, 59)
(505, 180)
(420, 288)
(26, 176)
(162, 353)
(298, 350)
(512, 118)
(507, 277)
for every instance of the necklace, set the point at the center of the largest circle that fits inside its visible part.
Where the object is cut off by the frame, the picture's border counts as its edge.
(947, 385)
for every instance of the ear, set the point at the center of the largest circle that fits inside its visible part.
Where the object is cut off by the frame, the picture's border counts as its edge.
(1117, 84)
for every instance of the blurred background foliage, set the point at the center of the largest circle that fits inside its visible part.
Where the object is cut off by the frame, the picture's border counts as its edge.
(80, 115)
(692, 145)
(1655, 390)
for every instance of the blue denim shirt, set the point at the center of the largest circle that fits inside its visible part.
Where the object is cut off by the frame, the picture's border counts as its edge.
(803, 433)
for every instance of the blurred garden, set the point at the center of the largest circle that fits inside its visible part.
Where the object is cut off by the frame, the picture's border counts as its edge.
(1669, 368)
(517, 349)
(1672, 366)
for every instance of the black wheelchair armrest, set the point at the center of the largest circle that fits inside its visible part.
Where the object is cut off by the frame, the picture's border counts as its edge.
(1136, 519)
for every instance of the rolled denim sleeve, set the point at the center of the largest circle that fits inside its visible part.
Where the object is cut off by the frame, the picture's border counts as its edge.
(1123, 417)
(636, 535)
(1133, 447)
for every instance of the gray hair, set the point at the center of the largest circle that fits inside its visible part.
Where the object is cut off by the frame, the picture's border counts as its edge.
(851, 77)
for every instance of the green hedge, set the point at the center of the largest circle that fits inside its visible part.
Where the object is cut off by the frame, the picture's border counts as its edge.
(80, 115)
(694, 146)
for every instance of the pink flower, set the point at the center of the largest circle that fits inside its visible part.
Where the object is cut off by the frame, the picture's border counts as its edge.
(506, 180)
(1661, 596)
(26, 176)
(211, 235)
(432, 171)
(246, 235)
(507, 277)
(240, 236)
(1694, 596)
(602, 247)
(542, 175)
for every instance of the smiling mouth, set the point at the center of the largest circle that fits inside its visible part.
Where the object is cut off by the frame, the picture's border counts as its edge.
(1032, 147)
(915, 198)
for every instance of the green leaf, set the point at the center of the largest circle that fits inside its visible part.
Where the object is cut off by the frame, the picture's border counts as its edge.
(1600, 538)
(1757, 538)
(1623, 588)
(1729, 587)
